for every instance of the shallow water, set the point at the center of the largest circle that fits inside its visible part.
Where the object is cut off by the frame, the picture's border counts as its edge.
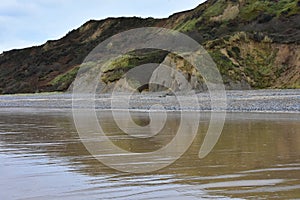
(42, 157)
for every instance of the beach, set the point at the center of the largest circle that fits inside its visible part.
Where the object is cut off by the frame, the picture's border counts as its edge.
(237, 101)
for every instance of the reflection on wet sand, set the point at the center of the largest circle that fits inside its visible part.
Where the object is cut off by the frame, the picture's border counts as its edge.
(257, 155)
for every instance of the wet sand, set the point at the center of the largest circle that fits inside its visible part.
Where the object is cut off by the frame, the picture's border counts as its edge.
(256, 157)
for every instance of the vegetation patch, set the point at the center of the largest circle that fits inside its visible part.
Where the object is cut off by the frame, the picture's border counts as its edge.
(266, 10)
(118, 67)
(215, 9)
(188, 25)
(63, 81)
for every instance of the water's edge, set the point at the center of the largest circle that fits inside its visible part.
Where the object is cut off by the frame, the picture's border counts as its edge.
(257, 101)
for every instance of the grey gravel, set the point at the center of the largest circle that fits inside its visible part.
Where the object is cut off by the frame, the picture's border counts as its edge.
(239, 101)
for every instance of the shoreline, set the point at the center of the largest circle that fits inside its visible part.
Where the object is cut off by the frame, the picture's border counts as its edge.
(238, 101)
(43, 109)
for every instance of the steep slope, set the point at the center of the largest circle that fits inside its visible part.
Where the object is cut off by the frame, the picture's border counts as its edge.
(53, 65)
(254, 43)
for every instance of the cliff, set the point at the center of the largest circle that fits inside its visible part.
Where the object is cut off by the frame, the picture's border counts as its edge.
(255, 44)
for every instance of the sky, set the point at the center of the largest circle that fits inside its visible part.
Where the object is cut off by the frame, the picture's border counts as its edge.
(25, 23)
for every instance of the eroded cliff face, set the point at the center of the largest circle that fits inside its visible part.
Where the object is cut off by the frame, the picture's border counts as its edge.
(243, 61)
(255, 44)
(246, 61)
(288, 63)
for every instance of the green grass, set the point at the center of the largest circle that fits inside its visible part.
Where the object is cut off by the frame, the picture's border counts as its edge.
(254, 8)
(125, 61)
(65, 79)
(117, 68)
(215, 9)
(188, 25)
